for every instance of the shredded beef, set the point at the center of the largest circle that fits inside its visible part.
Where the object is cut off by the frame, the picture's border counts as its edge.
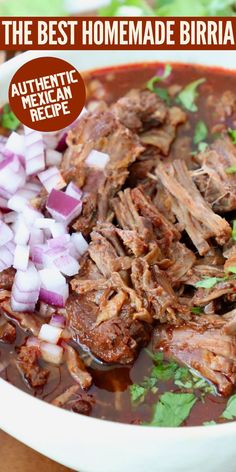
(205, 347)
(6, 279)
(217, 187)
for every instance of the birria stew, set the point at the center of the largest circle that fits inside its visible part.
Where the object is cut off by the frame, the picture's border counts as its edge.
(118, 250)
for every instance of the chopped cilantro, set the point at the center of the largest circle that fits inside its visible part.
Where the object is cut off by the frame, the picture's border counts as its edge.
(209, 282)
(232, 134)
(137, 393)
(160, 91)
(231, 269)
(209, 423)
(202, 146)
(189, 94)
(200, 132)
(230, 411)
(197, 310)
(234, 230)
(8, 119)
(172, 409)
(231, 169)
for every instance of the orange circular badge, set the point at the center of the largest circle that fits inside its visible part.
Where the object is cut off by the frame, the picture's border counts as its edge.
(47, 94)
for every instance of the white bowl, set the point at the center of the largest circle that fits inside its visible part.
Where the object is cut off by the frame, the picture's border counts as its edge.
(88, 444)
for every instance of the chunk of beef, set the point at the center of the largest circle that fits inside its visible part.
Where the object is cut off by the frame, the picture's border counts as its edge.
(28, 363)
(163, 137)
(153, 286)
(140, 110)
(7, 278)
(223, 107)
(217, 187)
(191, 210)
(27, 321)
(205, 347)
(116, 340)
(73, 399)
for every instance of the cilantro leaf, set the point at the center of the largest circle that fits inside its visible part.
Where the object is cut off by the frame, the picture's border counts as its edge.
(172, 409)
(234, 230)
(200, 132)
(202, 146)
(8, 119)
(231, 269)
(209, 282)
(197, 309)
(209, 423)
(230, 411)
(231, 169)
(232, 134)
(189, 94)
(160, 91)
(137, 392)
(164, 371)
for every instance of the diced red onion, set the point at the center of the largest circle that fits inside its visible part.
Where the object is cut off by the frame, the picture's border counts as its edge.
(97, 159)
(32, 341)
(44, 223)
(50, 139)
(12, 176)
(6, 257)
(37, 254)
(30, 214)
(3, 203)
(26, 286)
(21, 257)
(34, 151)
(54, 289)
(63, 207)
(58, 321)
(73, 191)
(52, 178)
(59, 242)
(10, 217)
(17, 306)
(64, 262)
(22, 233)
(6, 233)
(58, 229)
(53, 157)
(3, 140)
(15, 145)
(62, 144)
(36, 237)
(79, 243)
(51, 353)
(49, 333)
(17, 203)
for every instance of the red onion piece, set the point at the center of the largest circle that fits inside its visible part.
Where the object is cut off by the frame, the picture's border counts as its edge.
(26, 286)
(34, 151)
(44, 223)
(73, 191)
(32, 341)
(22, 232)
(6, 258)
(63, 207)
(36, 237)
(50, 334)
(3, 203)
(30, 215)
(6, 233)
(51, 353)
(97, 159)
(12, 176)
(54, 289)
(58, 258)
(52, 178)
(58, 321)
(58, 229)
(15, 145)
(53, 157)
(79, 243)
(21, 257)
(18, 306)
(37, 254)
(59, 242)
